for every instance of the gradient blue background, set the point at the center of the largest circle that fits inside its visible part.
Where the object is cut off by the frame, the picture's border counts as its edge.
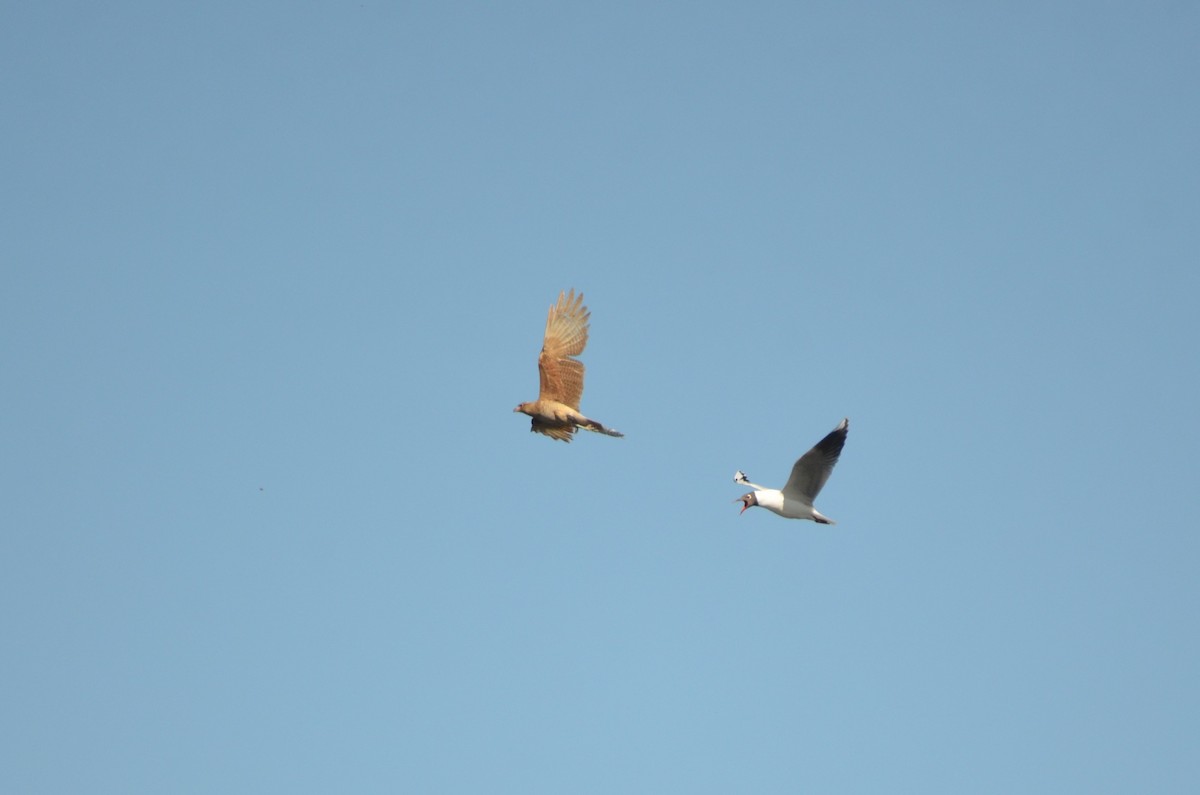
(275, 274)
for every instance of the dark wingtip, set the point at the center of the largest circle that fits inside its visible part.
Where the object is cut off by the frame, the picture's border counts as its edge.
(835, 440)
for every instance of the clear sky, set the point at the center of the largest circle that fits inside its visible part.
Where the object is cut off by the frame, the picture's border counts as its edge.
(273, 276)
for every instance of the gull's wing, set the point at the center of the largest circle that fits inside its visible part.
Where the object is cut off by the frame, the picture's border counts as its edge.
(566, 336)
(740, 478)
(810, 472)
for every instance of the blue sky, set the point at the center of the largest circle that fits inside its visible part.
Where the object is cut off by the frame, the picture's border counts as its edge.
(274, 276)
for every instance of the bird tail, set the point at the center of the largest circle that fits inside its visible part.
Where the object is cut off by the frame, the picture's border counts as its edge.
(592, 425)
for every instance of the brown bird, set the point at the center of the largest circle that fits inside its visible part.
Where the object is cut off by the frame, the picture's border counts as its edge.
(556, 411)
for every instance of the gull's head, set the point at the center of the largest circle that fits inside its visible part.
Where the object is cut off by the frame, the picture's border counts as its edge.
(747, 500)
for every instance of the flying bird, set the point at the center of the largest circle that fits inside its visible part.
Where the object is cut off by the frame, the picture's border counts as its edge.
(809, 473)
(556, 411)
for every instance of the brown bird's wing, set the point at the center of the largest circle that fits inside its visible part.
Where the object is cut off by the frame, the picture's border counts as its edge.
(566, 336)
(564, 433)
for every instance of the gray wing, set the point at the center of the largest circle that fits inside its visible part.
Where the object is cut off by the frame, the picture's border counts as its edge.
(810, 472)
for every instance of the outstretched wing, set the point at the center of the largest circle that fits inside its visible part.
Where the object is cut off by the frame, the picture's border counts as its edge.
(810, 472)
(564, 433)
(566, 336)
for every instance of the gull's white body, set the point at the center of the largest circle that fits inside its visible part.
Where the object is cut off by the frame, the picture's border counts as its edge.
(775, 501)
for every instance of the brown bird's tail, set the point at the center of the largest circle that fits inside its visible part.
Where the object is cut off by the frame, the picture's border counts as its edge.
(592, 425)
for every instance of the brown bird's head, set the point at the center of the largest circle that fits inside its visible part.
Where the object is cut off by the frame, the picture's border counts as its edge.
(747, 500)
(524, 409)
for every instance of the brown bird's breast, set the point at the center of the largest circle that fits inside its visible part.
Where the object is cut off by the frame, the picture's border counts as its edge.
(551, 411)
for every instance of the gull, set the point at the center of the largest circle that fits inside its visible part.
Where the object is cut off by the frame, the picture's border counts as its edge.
(809, 473)
(556, 411)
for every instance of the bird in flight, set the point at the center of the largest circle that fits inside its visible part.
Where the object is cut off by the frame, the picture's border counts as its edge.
(556, 411)
(809, 473)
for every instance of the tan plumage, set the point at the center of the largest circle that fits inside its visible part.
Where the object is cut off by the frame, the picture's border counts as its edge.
(556, 411)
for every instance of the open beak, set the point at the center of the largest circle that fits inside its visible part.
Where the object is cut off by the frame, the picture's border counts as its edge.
(745, 505)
